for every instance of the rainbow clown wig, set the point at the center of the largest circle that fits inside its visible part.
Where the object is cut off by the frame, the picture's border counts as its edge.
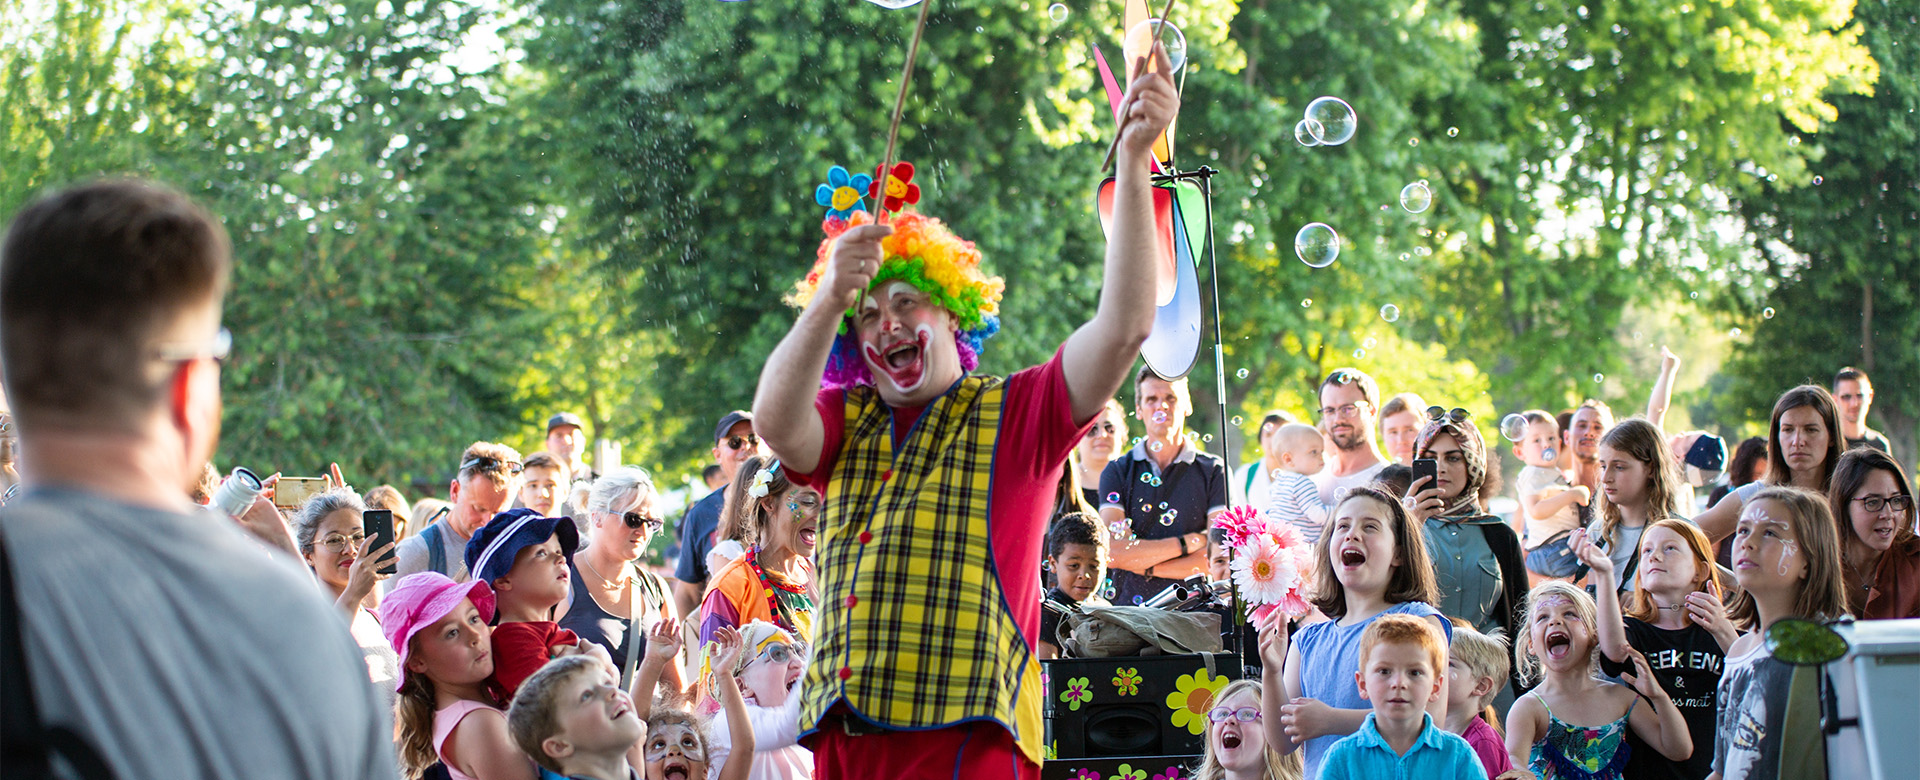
(921, 252)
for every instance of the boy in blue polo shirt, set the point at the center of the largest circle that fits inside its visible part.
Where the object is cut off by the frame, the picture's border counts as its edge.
(1402, 659)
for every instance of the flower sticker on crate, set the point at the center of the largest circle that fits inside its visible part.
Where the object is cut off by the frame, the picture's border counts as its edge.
(1127, 680)
(1077, 693)
(1192, 697)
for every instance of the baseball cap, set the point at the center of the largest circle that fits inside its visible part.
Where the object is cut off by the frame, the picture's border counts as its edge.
(421, 600)
(564, 418)
(733, 418)
(491, 551)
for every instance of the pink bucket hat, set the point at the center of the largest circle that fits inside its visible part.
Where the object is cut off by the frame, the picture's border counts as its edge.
(419, 601)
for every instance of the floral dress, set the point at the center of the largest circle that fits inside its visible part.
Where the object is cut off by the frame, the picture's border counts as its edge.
(1570, 752)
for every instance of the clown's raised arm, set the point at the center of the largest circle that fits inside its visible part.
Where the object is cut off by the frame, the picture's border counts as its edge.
(928, 306)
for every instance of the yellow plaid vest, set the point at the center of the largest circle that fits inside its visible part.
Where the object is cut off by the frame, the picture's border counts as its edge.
(927, 639)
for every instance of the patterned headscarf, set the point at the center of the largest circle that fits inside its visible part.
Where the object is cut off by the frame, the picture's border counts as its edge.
(1473, 449)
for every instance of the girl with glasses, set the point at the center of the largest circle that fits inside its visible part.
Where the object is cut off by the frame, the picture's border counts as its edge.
(1880, 554)
(768, 673)
(1237, 741)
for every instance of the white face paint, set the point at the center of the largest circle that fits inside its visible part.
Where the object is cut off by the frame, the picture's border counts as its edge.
(907, 342)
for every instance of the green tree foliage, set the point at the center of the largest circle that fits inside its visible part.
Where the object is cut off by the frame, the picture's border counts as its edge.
(1842, 243)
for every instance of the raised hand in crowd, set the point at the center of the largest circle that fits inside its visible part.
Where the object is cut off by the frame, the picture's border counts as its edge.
(263, 520)
(727, 652)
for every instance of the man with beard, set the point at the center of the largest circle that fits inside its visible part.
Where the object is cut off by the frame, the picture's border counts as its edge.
(1854, 392)
(932, 525)
(1582, 437)
(1158, 499)
(1349, 407)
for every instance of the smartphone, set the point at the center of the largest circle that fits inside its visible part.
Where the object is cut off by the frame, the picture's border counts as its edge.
(1424, 467)
(378, 524)
(292, 492)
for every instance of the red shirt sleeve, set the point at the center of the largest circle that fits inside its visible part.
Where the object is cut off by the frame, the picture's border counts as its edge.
(520, 649)
(832, 407)
(1037, 431)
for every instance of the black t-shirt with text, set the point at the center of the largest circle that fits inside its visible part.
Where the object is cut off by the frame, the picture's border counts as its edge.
(1687, 663)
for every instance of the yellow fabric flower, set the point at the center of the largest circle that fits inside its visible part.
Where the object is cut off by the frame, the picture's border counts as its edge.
(1192, 696)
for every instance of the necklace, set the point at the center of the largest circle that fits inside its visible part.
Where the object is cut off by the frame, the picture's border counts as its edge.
(609, 584)
(783, 599)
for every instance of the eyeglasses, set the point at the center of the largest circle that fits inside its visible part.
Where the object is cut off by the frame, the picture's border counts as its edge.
(1876, 503)
(779, 653)
(1456, 414)
(337, 543)
(1105, 428)
(217, 349)
(736, 442)
(1243, 714)
(636, 520)
(486, 463)
(1343, 410)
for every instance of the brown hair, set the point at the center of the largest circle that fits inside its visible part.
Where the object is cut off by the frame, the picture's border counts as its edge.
(1639, 604)
(1369, 389)
(500, 456)
(1640, 440)
(546, 460)
(1848, 478)
(1824, 594)
(1751, 451)
(1412, 580)
(1822, 402)
(90, 279)
(1405, 630)
(744, 516)
(413, 726)
(1404, 402)
(388, 497)
(534, 715)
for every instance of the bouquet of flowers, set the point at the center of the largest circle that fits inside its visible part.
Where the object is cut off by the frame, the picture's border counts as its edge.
(1270, 562)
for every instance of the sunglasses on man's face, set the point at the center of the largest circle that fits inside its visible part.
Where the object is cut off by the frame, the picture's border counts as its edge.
(490, 464)
(736, 442)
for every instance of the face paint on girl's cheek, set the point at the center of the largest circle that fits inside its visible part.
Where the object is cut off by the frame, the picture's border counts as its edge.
(1788, 549)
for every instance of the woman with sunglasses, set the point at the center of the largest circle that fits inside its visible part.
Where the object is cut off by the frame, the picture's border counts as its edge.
(1476, 555)
(776, 523)
(612, 602)
(333, 541)
(1880, 555)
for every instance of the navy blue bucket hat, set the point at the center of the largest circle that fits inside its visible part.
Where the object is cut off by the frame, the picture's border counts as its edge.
(491, 551)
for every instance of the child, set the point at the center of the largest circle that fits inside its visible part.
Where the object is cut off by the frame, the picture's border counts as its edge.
(1236, 746)
(676, 747)
(1573, 725)
(543, 479)
(1292, 497)
(768, 673)
(1371, 562)
(1547, 501)
(1674, 618)
(523, 555)
(1077, 555)
(1786, 556)
(572, 718)
(1637, 483)
(1403, 657)
(1477, 669)
(449, 706)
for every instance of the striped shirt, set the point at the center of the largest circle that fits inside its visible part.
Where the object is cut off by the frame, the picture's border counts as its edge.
(1293, 498)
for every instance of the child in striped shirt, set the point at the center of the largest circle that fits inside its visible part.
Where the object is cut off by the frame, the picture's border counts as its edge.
(1292, 497)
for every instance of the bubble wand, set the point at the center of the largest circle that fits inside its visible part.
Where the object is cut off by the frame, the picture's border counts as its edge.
(893, 129)
(1158, 38)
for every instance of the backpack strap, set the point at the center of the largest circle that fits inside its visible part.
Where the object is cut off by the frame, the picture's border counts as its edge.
(27, 746)
(436, 549)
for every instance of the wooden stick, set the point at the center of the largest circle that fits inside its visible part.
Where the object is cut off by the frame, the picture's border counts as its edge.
(1115, 146)
(899, 106)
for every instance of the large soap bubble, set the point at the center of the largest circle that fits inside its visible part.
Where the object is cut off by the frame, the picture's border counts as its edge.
(1317, 245)
(1415, 197)
(1335, 119)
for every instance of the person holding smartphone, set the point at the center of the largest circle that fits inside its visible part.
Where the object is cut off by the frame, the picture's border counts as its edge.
(331, 534)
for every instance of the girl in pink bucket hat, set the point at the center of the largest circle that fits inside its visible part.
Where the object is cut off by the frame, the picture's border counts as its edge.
(450, 707)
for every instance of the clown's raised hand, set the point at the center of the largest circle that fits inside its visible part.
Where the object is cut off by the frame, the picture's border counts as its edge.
(1149, 106)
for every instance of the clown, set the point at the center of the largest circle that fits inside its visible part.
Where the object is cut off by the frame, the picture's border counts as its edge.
(923, 649)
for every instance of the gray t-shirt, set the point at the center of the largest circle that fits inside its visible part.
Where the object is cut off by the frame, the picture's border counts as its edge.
(178, 646)
(411, 557)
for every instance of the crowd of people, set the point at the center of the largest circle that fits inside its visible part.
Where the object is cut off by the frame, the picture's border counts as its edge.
(861, 595)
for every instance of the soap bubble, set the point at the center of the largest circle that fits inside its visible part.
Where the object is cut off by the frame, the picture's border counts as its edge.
(1156, 446)
(1317, 245)
(1141, 37)
(1390, 312)
(1694, 295)
(1057, 12)
(1421, 251)
(1146, 478)
(1335, 120)
(1415, 198)
(1734, 333)
(1598, 378)
(1513, 427)
(1242, 373)
(1453, 132)
(1369, 343)
(1359, 354)
(1159, 418)
(1239, 421)
(1413, 142)
(1767, 312)
(1205, 438)
(1306, 132)
(895, 4)
(1110, 593)
(1166, 518)
(1306, 303)
(1137, 600)
(1405, 257)
(1817, 180)
(1114, 497)
(1163, 505)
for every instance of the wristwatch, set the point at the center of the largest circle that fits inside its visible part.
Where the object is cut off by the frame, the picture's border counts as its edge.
(1183, 545)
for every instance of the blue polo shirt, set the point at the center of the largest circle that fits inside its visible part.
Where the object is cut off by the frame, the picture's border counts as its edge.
(697, 530)
(1365, 755)
(1193, 485)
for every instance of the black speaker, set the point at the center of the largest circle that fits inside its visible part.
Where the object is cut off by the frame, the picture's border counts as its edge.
(1133, 706)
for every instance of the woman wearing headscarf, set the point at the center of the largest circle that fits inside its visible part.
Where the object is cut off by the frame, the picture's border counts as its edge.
(1476, 556)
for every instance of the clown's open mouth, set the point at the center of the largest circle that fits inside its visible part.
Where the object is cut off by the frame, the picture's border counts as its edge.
(903, 362)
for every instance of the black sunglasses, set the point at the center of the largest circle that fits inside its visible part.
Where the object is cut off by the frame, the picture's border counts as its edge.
(490, 463)
(636, 520)
(736, 442)
(1456, 414)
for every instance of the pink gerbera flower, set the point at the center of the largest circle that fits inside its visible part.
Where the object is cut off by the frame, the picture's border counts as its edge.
(1265, 571)
(1240, 523)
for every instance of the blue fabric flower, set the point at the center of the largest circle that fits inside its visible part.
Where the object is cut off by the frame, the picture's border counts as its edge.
(843, 194)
